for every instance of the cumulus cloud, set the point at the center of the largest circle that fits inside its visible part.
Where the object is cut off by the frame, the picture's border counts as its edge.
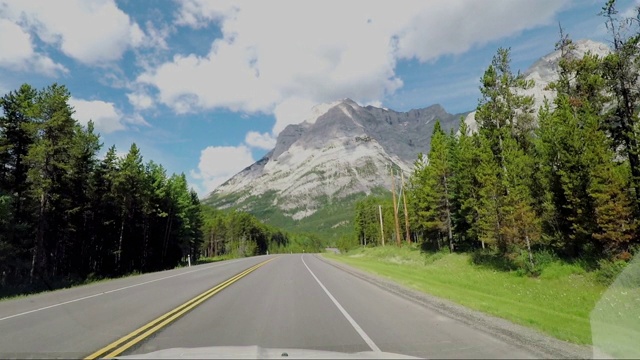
(105, 116)
(17, 53)
(90, 31)
(263, 141)
(219, 163)
(266, 61)
(328, 50)
(291, 111)
(140, 101)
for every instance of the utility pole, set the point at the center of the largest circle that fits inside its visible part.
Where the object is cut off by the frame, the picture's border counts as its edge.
(395, 205)
(406, 214)
(381, 226)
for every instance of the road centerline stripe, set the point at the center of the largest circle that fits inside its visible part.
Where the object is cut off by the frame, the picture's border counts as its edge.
(344, 312)
(119, 346)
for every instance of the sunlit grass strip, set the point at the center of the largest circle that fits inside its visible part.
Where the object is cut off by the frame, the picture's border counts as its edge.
(558, 302)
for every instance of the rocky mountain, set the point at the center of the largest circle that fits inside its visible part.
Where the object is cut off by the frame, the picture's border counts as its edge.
(342, 152)
(310, 180)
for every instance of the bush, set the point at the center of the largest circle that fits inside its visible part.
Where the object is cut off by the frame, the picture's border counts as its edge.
(541, 260)
(608, 271)
(491, 259)
(346, 243)
(431, 257)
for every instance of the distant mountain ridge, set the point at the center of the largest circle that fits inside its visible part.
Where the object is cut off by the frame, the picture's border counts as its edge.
(345, 151)
(319, 167)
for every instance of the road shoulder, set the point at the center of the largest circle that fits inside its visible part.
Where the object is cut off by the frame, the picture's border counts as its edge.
(527, 338)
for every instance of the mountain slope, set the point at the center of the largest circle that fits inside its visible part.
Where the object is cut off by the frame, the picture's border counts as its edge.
(319, 167)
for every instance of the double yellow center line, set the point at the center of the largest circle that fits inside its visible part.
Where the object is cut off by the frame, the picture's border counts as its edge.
(119, 346)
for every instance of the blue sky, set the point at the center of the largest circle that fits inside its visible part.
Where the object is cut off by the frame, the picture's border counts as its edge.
(204, 87)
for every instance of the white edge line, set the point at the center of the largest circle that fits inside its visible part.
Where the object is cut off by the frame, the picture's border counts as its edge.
(344, 312)
(110, 291)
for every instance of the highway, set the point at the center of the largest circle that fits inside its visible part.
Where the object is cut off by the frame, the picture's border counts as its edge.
(282, 301)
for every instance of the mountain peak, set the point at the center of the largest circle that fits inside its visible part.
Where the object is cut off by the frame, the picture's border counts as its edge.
(340, 153)
(348, 101)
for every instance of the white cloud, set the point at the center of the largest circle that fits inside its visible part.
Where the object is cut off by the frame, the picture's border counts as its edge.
(140, 101)
(135, 119)
(293, 110)
(15, 43)
(105, 116)
(328, 50)
(197, 13)
(90, 31)
(17, 53)
(219, 163)
(263, 141)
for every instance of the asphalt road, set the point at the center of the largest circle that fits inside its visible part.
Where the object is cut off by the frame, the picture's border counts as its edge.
(293, 301)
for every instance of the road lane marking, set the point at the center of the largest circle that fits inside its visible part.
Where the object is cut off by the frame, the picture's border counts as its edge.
(119, 346)
(344, 312)
(111, 291)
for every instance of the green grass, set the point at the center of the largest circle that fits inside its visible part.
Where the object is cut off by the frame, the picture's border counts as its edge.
(558, 302)
(9, 293)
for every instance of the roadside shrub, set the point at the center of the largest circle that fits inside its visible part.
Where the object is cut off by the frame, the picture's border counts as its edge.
(541, 260)
(346, 243)
(490, 259)
(431, 257)
(608, 271)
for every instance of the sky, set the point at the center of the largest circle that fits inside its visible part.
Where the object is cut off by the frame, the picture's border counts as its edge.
(204, 87)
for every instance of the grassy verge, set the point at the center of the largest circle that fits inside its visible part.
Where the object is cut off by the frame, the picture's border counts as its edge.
(558, 302)
(8, 293)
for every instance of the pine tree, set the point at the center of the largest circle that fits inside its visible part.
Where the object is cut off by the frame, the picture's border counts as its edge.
(17, 134)
(489, 206)
(622, 73)
(432, 189)
(49, 162)
(81, 212)
(617, 227)
(502, 111)
(465, 163)
(129, 187)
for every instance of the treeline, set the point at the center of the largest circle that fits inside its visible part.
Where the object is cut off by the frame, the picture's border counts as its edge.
(564, 179)
(238, 234)
(67, 214)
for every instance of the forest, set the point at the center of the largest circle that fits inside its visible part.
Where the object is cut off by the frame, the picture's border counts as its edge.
(67, 214)
(232, 233)
(561, 181)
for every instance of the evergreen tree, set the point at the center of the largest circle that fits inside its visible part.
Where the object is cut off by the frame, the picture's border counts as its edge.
(621, 70)
(465, 186)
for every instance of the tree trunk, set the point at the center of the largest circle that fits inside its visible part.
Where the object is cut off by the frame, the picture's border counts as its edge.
(448, 208)
(40, 257)
(167, 234)
(33, 264)
(119, 252)
(145, 246)
(529, 250)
